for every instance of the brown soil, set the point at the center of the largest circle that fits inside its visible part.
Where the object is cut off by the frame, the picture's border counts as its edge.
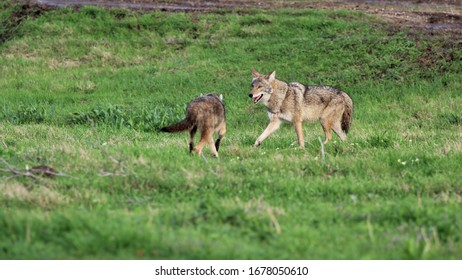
(430, 15)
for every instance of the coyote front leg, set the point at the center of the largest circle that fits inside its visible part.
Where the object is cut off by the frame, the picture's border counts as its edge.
(274, 124)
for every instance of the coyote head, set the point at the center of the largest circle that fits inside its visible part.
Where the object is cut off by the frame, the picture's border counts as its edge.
(261, 86)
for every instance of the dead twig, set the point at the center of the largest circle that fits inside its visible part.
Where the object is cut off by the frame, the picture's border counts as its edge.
(111, 174)
(322, 148)
(34, 172)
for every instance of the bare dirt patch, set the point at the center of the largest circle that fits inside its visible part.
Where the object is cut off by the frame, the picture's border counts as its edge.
(440, 21)
(26, 9)
(432, 15)
(442, 16)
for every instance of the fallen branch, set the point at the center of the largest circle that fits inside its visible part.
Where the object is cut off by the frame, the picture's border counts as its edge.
(34, 172)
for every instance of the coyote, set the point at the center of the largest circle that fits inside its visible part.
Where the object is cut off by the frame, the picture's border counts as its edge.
(206, 113)
(295, 102)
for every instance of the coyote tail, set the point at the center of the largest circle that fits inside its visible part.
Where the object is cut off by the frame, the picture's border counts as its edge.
(178, 127)
(347, 116)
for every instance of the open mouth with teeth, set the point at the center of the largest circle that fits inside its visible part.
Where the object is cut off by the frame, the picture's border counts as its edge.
(255, 99)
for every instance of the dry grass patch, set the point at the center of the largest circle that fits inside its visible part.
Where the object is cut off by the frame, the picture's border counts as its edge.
(40, 196)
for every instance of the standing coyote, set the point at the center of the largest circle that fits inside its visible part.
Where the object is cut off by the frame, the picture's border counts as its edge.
(295, 102)
(206, 113)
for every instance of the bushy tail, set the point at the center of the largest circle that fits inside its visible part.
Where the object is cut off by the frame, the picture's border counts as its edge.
(347, 116)
(178, 127)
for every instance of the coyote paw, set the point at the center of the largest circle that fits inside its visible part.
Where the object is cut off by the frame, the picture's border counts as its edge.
(257, 144)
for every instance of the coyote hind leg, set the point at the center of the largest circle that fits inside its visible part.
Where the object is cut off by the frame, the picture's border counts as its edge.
(206, 138)
(191, 139)
(221, 135)
(337, 128)
(212, 147)
(326, 125)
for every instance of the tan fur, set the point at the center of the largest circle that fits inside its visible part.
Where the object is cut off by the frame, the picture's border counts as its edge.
(206, 114)
(295, 103)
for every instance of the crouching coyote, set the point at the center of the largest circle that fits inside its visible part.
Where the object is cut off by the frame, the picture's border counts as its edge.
(295, 102)
(206, 114)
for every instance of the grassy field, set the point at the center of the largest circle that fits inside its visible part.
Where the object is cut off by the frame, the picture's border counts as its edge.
(85, 91)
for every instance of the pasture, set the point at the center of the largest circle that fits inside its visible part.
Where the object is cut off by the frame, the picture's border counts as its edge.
(84, 91)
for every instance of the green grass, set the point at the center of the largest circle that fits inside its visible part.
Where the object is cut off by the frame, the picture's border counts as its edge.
(84, 91)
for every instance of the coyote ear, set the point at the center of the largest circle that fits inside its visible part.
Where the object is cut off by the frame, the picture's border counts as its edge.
(255, 74)
(272, 76)
(221, 97)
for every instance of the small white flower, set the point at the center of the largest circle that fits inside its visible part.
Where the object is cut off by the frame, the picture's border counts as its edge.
(403, 163)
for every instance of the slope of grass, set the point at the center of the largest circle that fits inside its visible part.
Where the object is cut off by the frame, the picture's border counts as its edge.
(84, 91)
